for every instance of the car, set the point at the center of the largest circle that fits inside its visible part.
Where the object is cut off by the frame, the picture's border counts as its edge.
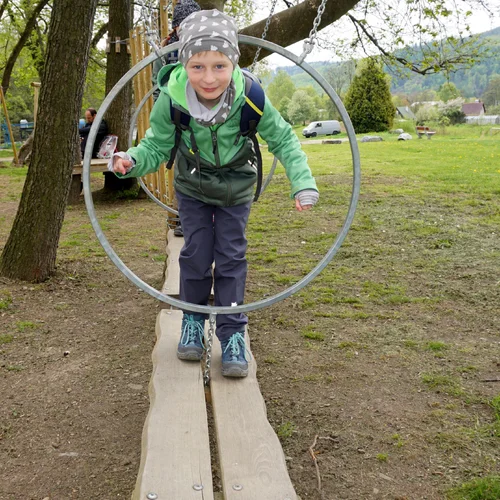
(327, 127)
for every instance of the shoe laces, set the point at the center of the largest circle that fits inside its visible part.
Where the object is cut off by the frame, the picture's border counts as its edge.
(192, 329)
(236, 345)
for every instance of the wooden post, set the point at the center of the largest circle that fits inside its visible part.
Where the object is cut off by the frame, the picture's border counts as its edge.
(164, 18)
(36, 87)
(6, 113)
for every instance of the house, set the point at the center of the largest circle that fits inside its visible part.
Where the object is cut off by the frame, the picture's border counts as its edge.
(474, 108)
(405, 113)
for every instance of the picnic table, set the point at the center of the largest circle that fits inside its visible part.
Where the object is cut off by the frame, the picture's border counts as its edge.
(96, 165)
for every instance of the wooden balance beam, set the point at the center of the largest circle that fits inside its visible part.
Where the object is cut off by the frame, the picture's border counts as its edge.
(175, 459)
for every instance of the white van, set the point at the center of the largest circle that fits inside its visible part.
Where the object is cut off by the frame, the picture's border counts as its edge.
(328, 127)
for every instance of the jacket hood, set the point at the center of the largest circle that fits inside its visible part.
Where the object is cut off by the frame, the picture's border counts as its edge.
(172, 80)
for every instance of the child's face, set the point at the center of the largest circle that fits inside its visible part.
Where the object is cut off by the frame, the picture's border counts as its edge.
(209, 74)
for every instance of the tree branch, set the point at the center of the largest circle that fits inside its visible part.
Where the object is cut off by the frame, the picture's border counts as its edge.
(100, 33)
(30, 25)
(293, 25)
(434, 67)
(2, 7)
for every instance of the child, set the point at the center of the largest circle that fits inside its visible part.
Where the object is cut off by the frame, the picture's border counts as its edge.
(215, 176)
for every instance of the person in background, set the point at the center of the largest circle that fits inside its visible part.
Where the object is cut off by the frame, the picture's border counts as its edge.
(90, 114)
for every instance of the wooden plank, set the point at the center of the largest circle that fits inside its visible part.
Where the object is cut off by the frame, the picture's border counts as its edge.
(164, 18)
(251, 459)
(172, 271)
(175, 444)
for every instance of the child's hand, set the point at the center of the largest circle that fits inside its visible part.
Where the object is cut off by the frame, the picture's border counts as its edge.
(305, 199)
(121, 166)
(299, 207)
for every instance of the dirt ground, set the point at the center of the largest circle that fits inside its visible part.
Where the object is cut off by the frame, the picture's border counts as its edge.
(395, 389)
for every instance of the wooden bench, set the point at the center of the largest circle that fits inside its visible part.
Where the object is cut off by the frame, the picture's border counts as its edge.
(421, 130)
(96, 165)
(175, 459)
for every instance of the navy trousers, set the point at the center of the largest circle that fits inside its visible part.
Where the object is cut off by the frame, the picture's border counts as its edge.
(214, 234)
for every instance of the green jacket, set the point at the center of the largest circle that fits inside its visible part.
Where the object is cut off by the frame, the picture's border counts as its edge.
(226, 177)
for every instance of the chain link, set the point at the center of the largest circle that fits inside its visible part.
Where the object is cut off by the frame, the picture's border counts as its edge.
(309, 42)
(264, 34)
(151, 26)
(210, 339)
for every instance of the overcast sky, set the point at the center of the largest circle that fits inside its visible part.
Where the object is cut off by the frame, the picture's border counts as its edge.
(480, 21)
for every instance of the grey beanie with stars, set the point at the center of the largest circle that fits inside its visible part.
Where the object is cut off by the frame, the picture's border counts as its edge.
(208, 30)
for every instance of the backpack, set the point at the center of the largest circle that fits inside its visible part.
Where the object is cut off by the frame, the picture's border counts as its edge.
(251, 113)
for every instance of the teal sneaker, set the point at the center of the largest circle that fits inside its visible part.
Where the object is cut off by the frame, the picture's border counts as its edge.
(234, 363)
(190, 346)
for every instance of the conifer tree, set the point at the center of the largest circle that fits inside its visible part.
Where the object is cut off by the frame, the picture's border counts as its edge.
(368, 100)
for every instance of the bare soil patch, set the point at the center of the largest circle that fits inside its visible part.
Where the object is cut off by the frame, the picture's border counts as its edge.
(384, 356)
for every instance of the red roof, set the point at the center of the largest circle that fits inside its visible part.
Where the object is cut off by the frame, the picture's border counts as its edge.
(473, 108)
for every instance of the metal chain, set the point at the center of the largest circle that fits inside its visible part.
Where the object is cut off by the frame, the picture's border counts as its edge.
(208, 348)
(264, 34)
(151, 28)
(309, 42)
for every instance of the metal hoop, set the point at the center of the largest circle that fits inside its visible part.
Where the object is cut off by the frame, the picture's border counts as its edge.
(180, 304)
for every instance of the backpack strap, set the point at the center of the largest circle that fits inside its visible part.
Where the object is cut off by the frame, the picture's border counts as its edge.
(251, 114)
(181, 121)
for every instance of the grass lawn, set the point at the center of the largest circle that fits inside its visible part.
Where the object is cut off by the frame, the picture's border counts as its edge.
(391, 353)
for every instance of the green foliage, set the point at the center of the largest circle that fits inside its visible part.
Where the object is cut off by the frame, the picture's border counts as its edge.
(281, 86)
(95, 81)
(450, 113)
(448, 91)
(368, 100)
(485, 488)
(495, 404)
(6, 338)
(471, 81)
(241, 10)
(286, 429)
(491, 96)
(426, 114)
(5, 299)
(436, 346)
(301, 107)
(283, 108)
(340, 76)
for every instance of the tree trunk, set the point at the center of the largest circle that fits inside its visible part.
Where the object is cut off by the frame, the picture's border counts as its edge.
(30, 251)
(25, 151)
(118, 63)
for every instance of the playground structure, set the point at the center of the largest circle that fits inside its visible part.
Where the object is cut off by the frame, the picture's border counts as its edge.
(175, 458)
(159, 185)
(173, 466)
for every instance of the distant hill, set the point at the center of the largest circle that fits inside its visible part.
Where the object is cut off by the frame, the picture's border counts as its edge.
(471, 82)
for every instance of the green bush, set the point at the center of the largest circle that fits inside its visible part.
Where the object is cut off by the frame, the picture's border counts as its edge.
(368, 100)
